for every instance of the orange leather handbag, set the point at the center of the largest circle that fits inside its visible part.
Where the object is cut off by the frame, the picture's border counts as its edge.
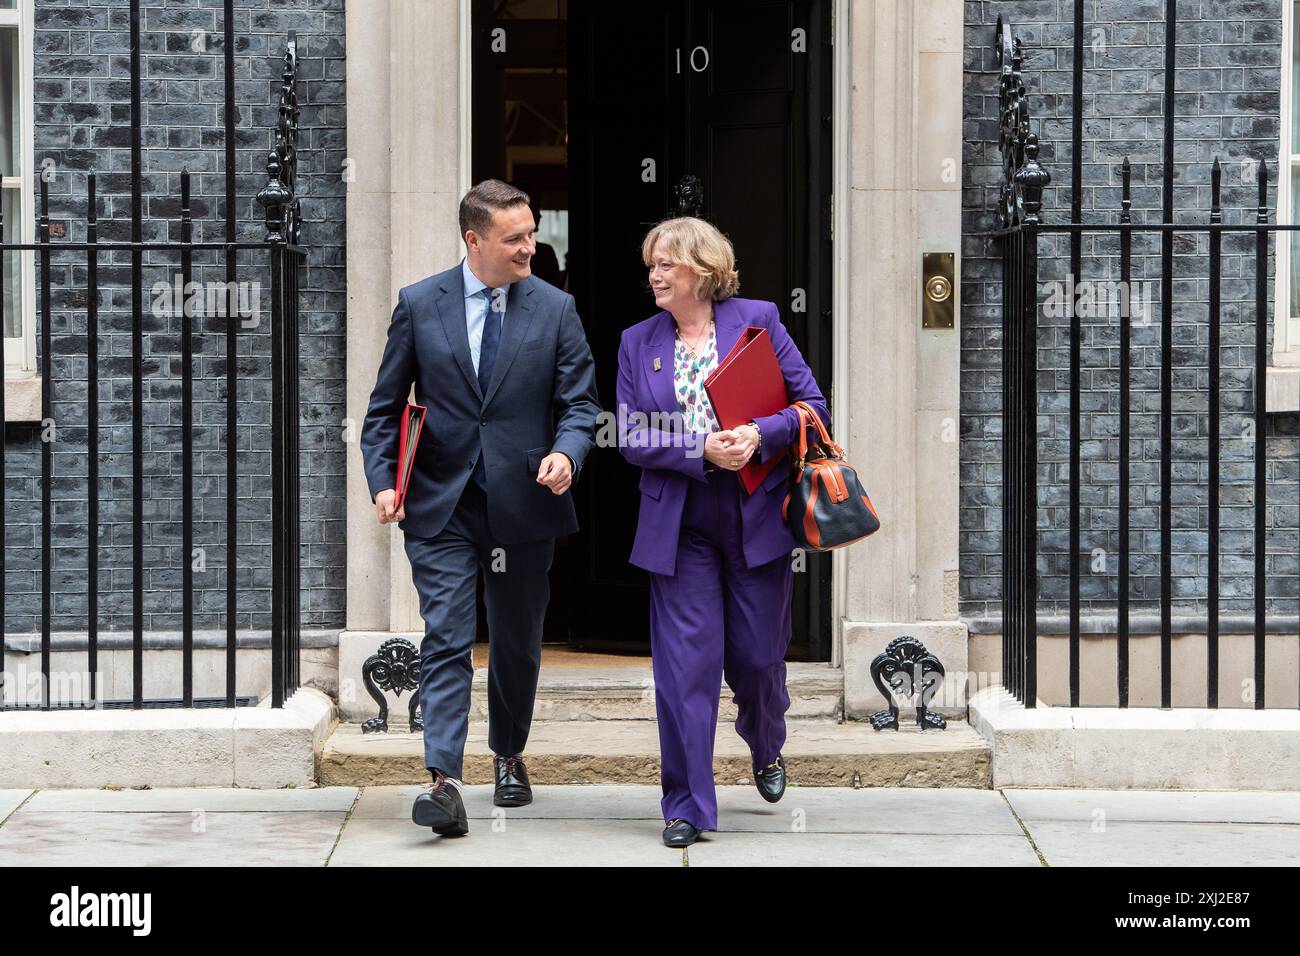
(826, 506)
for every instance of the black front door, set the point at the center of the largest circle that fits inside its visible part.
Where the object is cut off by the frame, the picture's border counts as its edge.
(737, 96)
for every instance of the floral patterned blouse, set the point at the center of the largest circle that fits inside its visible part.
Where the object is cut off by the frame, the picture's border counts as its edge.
(689, 373)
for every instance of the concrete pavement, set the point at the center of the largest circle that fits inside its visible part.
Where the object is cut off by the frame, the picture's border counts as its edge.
(620, 825)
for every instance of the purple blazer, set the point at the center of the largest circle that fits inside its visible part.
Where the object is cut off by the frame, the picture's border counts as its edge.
(667, 466)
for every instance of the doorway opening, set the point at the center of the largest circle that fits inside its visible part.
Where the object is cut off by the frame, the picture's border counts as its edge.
(611, 123)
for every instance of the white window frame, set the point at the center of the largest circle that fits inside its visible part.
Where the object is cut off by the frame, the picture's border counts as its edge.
(1286, 328)
(20, 352)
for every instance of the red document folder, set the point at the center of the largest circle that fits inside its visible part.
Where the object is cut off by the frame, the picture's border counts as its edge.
(408, 438)
(748, 384)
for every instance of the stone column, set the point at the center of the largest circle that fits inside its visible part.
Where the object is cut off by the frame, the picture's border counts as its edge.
(897, 397)
(368, 199)
(404, 81)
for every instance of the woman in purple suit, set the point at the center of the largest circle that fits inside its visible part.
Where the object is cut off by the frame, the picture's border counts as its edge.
(720, 560)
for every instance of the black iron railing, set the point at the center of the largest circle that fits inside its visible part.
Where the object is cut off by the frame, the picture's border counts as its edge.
(280, 253)
(1023, 390)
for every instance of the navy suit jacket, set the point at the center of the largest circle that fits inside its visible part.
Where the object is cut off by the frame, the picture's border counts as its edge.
(541, 399)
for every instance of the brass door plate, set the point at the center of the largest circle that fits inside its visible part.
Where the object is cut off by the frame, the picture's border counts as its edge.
(938, 292)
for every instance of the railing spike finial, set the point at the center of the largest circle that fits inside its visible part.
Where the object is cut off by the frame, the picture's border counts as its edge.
(43, 220)
(1261, 214)
(1126, 191)
(1216, 181)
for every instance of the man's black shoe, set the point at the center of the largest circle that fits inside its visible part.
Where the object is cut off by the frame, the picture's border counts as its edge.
(513, 789)
(680, 833)
(771, 780)
(441, 808)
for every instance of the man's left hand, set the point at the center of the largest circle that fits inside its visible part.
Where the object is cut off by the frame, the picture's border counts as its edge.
(556, 473)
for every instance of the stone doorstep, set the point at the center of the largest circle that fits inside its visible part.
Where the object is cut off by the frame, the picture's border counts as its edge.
(1140, 748)
(619, 693)
(818, 753)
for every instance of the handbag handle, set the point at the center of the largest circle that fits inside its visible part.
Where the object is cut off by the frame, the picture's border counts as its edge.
(808, 417)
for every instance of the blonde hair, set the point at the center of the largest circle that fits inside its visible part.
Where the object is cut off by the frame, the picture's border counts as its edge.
(700, 247)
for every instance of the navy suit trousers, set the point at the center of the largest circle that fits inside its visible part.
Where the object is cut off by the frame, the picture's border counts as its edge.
(445, 569)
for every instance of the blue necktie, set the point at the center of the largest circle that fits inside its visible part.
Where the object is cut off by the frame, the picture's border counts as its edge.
(487, 357)
(487, 353)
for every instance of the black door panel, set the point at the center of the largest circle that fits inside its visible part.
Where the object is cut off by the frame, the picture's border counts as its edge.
(714, 90)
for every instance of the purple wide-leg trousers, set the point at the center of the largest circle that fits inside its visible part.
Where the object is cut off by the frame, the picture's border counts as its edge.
(716, 617)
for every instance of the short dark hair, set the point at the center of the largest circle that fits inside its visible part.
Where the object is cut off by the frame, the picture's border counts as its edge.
(476, 208)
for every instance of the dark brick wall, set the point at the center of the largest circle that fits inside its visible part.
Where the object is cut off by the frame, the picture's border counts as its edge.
(1226, 105)
(82, 122)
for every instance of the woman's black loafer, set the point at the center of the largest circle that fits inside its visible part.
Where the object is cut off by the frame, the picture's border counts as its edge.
(771, 780)
(680, 833)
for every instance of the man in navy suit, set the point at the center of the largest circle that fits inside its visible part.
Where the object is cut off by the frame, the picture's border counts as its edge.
(500, 360)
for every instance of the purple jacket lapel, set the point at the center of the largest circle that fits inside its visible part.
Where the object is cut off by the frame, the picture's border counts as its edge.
(658, 350)
(662, 342)
(730, 324)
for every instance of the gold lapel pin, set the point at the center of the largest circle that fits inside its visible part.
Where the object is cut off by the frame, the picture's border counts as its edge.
(657, 363)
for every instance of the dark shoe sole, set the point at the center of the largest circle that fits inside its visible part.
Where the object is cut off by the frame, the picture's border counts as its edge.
(459, 828)
(679, 843)
(439, 822)
(512, 798)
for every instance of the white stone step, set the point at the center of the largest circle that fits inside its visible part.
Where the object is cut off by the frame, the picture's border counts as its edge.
(818, 753)
(616, 693)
